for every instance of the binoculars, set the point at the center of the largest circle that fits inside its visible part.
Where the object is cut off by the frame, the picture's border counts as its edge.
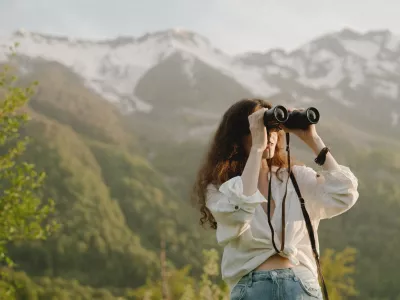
(298, 119)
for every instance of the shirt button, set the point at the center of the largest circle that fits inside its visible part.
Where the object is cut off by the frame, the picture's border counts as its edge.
(236, 207)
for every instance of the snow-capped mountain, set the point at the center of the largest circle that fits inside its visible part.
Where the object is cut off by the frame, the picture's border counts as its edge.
(339, 71)
(113, 68)
(330, 60)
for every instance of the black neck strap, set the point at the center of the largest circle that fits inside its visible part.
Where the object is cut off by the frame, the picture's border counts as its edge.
(269, 161)
(306, 216)
(311, 235)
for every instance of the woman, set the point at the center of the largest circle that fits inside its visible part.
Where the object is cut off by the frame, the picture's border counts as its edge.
(232, 188)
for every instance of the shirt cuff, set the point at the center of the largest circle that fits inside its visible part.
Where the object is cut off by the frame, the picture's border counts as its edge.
(233, 189)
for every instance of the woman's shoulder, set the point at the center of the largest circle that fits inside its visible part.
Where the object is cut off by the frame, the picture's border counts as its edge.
(301, 167)
(231, 186)
(293, 166)
(303, 170)
(213, 195)
(212, 187)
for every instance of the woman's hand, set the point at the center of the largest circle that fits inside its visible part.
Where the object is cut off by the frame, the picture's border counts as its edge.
(311, 138)
(259, 143)
(258, 131)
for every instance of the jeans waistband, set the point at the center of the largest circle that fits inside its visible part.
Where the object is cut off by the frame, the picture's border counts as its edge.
(262, 275)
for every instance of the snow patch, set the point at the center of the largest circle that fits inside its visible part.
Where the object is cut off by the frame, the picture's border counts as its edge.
(386, 89)
(295, 63)
(393, 44)
(355, 72)
(330, 80)
(364, 49)
(188, 63)
(251, 77)
(254, 80)
(127, 102)
(276, 70)
(273, 70)
(307, 48)
(388, 66)
(378, 39)
(323, 55)
(141, 105)
(382, 68)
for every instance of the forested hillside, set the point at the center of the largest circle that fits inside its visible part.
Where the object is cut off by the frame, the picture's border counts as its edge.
(119, 193)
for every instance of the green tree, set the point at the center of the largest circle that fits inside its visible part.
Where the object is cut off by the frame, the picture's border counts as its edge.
(184, 287)
(22, 213)
(338, 268)
(209, 290)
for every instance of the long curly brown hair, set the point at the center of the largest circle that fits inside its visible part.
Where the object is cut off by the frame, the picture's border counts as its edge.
(226, 157)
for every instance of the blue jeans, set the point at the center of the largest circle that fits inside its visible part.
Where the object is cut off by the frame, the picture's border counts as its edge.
(281, 284)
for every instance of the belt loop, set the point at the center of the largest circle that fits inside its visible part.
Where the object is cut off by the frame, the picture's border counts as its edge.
(250, 279)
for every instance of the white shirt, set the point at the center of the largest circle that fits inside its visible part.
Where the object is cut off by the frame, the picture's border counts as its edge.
(242, 224)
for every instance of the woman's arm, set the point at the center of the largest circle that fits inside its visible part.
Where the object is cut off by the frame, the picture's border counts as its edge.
(234, 203)
(332, 191)
(258, 145)
(231, 209)
(316, 144)
(328, 193)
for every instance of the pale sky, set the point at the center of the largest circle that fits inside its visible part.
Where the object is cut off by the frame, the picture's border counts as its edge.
(234, 26)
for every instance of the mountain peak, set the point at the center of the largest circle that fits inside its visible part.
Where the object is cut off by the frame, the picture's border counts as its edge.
(177, 34)
(54, 37)
(348, 34)
(374, 35)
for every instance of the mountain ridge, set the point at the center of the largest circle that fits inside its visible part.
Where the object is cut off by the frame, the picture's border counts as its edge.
(152, 48)
(336, 72)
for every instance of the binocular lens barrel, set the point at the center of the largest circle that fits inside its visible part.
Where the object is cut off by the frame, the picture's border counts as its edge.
(312, 115)
(296, 119)
(275, 116)
(281, 114)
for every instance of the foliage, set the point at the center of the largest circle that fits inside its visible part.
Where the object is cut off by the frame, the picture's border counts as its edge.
(114, 204)
(208, 290)
(18, 285)
(338, 268)
(23, 215)
(148, 203)
(371, 224)
(62, 96)
(94, 240)
(183, 287)
(111, 203)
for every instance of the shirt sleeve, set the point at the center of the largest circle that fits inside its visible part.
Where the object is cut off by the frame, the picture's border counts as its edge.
(232, 210)
(328, 193)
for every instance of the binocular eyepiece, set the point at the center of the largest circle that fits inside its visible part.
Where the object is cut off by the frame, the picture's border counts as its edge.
(298, 119)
